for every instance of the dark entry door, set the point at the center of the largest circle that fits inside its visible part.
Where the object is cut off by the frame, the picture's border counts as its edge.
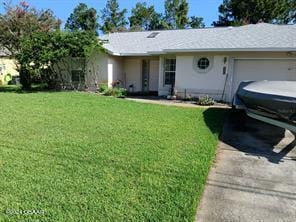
(145, 75)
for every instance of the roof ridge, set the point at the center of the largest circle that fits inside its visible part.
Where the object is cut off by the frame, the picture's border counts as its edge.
(169, 30)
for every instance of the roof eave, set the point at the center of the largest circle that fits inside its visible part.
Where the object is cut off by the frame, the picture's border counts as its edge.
(134, 54)
(232, 50)
(165, 51)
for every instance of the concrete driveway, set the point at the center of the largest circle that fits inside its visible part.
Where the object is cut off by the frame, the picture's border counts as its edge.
(254, 176)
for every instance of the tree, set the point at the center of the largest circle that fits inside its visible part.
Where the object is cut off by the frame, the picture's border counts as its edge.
(19, 22)
(144, 17)
(241, 12)
(196, 22)
(113, 18)
(176, 14)
(22, 20)
(157, 22)
(82, 18)
(42, 54)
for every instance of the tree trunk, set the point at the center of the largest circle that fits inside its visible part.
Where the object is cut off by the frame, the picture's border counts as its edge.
(25, 78)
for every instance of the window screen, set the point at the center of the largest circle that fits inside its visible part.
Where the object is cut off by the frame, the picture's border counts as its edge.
(169, 71)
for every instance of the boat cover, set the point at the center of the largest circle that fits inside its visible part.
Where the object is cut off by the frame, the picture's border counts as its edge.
(275, 98)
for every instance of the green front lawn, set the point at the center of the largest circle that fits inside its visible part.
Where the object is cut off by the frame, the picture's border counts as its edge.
(82, 157)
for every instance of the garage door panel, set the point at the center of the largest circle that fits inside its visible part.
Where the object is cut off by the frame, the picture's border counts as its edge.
(256, 70)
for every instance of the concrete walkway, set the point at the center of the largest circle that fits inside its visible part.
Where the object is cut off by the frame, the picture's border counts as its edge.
(254, 176)
(163, 101)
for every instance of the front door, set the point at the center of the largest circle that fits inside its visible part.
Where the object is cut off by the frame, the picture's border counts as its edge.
(145, 75)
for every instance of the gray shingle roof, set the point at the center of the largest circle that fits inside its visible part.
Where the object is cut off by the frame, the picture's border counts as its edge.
(259, 37)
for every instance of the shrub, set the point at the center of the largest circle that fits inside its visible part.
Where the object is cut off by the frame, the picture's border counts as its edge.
(7, 77)
(188, 98)
(103, 87)
(116, 84)
(205, 101)
(15, 80)
(116, 92)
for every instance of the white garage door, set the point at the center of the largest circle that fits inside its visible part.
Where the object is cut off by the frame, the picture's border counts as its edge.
(263, 69)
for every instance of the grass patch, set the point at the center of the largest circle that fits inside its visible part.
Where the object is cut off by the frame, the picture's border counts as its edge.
(83, 157)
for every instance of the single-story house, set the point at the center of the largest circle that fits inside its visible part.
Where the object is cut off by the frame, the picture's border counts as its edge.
(8, 68)
(209, 61)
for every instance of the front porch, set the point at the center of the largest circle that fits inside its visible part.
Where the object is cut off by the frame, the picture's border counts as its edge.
(150, 75)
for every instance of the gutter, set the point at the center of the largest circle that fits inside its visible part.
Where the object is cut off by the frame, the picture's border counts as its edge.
(112, 53)
(133, 54)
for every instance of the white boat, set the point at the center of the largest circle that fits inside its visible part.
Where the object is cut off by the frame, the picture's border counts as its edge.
(269, 101)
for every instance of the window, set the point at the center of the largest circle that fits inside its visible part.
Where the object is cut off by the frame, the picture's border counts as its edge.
(78, 76)
(153, 35)
(203, 63)
(169, 71)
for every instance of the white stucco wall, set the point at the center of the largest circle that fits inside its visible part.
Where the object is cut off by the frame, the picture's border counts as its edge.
(129, 71)
(218, 85)
(153, 75)
(132, 71)
(115, 70)
(97, 69)
(8, 66)
(195, 83)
